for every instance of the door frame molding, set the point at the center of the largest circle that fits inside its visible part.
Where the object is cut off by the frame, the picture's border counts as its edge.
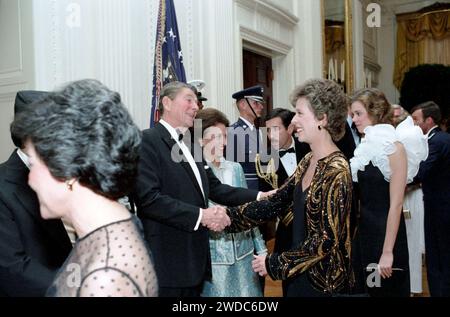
(266, 44)
(280, 53)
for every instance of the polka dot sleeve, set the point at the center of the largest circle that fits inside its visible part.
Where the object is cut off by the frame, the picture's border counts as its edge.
(109, 283)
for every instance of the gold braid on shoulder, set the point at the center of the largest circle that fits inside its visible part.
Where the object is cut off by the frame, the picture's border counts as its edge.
(270, 175)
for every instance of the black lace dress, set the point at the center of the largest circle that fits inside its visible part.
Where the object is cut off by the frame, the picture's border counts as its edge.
(111, 261)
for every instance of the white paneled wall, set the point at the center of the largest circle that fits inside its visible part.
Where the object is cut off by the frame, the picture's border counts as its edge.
(16, 62)
(112, 43)
(308, 41)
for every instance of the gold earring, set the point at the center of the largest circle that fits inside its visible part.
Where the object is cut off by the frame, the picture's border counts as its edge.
(70, 184)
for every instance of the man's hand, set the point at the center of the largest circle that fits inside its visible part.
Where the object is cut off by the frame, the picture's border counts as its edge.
(215, 218)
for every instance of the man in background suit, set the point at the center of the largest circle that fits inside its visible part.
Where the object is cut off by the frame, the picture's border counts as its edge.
(172, 195)
(290, 151)
(434, 174)
(347, 145)
(31, 249)
(350, 140)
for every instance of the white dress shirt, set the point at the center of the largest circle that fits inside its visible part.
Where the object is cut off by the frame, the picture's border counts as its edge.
(187, 154)
(24, 158)
(289, 160)
(355, 135)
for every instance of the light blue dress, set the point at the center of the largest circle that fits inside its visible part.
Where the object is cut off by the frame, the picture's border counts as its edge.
(232, 253)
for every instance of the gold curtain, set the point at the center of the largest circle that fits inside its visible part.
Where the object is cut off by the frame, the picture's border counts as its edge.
(422, 38)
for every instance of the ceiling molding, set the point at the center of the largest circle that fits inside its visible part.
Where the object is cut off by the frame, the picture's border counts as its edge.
(264, 41)
(271, 10)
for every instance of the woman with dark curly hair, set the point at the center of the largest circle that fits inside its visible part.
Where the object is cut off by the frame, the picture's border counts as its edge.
(384, 162)
(83, 158)
(319, 192)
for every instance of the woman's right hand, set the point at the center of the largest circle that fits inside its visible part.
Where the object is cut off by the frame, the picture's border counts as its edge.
(385, 264)
(259, 264)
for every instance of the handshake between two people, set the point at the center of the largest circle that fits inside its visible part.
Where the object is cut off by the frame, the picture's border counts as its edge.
(215, 218)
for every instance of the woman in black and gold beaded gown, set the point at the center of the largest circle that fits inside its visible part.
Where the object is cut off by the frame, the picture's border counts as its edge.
(319, 192)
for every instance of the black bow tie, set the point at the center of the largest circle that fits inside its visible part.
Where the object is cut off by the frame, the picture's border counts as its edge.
(282, 153)
(180, 134)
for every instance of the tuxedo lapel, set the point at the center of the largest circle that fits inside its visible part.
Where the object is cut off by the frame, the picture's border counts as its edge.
(174, 149)
(202, 166)
(17, 173)
(190, 172)
(433, 132)
(282, 174)
(347, 143)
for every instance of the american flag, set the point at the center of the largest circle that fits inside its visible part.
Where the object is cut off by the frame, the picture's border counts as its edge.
(168, 64)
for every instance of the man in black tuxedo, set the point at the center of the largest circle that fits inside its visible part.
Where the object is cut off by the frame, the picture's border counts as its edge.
(172, 195)
(434, 174)
(31, 249)
(290, 151)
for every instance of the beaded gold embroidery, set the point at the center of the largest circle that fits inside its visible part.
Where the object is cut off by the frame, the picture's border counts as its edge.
(325, 253)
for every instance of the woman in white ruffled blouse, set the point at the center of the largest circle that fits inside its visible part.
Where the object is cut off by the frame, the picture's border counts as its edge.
(385, 161)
